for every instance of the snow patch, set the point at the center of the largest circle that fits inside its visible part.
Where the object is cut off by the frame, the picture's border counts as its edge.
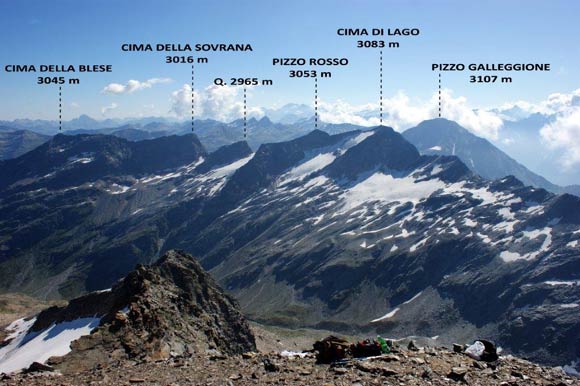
(404, 233)
(220, 175)
(508, 256)
(308, 167)
(387, 316)
(506, 213)
(418, 245)
(386, 188)
(356, 140)
(28, 347)
(557, 282)
(83, 158)
(413, 298)
(291, 354)
(470, 223)
(484, 238)
(534, 209)
(226, 171)
(436, 170)
(365, 245)
(118, 189)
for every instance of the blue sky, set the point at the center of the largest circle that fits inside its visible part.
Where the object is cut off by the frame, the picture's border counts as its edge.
(91, 32)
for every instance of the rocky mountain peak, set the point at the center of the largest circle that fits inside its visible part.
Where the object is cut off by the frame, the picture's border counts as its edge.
(171, 308)
(72, 160)
(265, 120)
(385, 150)
(444, 137)
(441, 124)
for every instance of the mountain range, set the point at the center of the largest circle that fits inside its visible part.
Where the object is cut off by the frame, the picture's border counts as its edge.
(349, 231)
(441, 136)
(520, 135)
(437, 136)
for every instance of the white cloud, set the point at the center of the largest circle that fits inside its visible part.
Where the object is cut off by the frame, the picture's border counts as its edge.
(400, 112)
(132, 86)
(559, 103)
(481, 122)
(507, 141)
(106, 109)
(181, 101)
(403, 113)
(564, 134)
(556, 103)
(74, 105)
(343, 112)
(222, 103)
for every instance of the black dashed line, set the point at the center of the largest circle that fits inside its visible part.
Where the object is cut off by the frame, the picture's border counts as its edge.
(245, 114)
(316, 102)
(60, 108)
(439, 95)
(192, 97)
(381, 86)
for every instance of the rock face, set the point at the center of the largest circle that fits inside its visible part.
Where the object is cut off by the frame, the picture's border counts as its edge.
(172, 308)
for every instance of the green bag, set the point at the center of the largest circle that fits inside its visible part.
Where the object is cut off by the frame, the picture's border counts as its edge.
(384, 346)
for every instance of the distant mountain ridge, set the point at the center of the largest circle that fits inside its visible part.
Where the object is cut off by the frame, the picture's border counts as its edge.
(480, 155)
(441, 136)
(65, 160)
(17, 142)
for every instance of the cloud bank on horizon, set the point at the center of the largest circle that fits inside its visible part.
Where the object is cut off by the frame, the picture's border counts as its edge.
(224, 103)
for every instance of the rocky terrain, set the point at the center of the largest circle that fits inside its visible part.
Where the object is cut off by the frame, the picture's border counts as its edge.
(355, 232)
(427, 366)
(170, 324)
(170, 309)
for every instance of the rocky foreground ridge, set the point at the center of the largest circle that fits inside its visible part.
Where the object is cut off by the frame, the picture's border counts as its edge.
(426, 366)
(170, 324)
(170, 309)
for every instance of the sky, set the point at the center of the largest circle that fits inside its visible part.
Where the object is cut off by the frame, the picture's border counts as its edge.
(82, 32)
(72, 32)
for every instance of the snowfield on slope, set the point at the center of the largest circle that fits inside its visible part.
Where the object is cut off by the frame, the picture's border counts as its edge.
(26, 347)
(386, 188)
